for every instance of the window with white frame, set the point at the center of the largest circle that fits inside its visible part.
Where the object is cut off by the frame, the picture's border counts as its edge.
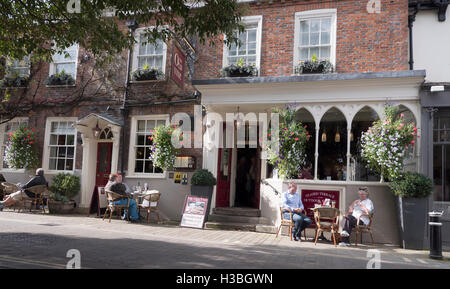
(65, 61)
(148, 53)
(249, 48)
(5, 129)
(60, 140)
(315, 34)
(18, 67)
(140, 145)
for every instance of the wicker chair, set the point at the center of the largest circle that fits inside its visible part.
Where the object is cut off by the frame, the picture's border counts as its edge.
(153, 203)
(113, 197)
(327, 220)
(290, 223)
(9, 188)
(360, 229)
(39, 193)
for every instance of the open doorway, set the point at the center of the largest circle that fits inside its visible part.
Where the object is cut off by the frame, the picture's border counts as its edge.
(247, 179)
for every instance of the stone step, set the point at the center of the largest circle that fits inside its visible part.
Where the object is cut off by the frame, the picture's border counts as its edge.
(238, 219)
(237, 211)
(241, 227)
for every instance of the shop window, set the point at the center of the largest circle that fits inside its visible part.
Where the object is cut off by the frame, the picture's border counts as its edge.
(360, 124)
(441, 156)
(332, 161)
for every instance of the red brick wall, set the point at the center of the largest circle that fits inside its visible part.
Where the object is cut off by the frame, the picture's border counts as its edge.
(365, 42)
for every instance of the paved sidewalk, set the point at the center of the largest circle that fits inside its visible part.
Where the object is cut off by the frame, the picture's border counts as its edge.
(42, 241)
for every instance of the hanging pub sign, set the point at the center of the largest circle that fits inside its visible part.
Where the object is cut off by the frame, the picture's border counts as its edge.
(177, 70)
(194, 212)
(310, 198)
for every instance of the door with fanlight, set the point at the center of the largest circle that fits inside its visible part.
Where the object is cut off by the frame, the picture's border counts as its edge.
(104, 153)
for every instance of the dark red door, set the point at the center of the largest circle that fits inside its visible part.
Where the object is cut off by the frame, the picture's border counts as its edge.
(104, 153)
(223, 178)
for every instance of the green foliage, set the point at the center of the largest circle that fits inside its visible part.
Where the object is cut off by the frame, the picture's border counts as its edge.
(240, 69)
(64, 187)
(163, 152)
(61, 78)
(412, 185)
(147, 73)
(203, 177)
(28, 26)
(287, 154)
(384, 145)
(21, 150)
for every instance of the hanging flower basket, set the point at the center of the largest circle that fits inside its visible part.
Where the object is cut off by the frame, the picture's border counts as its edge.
(385, 145)
(163, 151)
(21, 150)
(289, 158)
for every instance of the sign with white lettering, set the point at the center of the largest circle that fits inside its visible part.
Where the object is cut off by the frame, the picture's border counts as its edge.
(194, 212)
(313, 197)
(177, 70)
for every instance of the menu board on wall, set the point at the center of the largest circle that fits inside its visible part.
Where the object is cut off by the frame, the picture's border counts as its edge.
(312, 197)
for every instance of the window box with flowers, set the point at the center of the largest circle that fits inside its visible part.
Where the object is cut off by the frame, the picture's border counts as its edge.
(314, 66)
(240, 69)
(147, 73)
(14, 81)
(21, 151)
(289, 155)
(60, 79)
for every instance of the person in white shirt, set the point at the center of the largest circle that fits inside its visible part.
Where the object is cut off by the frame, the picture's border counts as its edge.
(361, 207)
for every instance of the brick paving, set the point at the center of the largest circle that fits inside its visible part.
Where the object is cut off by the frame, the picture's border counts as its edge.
(42, 241)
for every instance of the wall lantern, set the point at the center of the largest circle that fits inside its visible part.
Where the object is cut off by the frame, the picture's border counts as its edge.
(324, 136)
(96, 131)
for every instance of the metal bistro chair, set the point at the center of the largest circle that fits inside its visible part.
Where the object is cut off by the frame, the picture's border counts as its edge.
(37, 200)
(153, 203)
(327, 219)
(113, 197)
(290, 223)
(360, 229)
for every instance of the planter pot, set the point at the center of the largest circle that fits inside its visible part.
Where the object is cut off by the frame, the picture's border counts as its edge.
(57, 207)
(412, 217)
(203, 191)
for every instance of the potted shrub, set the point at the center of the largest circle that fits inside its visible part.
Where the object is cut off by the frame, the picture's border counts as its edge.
(412, 191)
(240, 69)
(314, 66)
(61, 78)
(147, 73)
(202, 184)
(64, 187)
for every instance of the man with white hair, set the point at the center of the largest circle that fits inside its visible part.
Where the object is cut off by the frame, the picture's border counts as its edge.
(37, 180)
(359, 208)
(292, 203)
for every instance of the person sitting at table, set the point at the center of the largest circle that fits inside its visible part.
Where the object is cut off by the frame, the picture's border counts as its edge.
(359, 208)
(115, 185)
(37, 180)
(291, 202)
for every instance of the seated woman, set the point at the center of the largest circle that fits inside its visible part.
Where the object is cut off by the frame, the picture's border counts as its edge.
(115, 185)
(37, 180)
(361, 207)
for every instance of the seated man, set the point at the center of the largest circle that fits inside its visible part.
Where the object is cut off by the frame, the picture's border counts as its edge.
(115, 185)
(292, 202)
(363, 206)
(37, 180)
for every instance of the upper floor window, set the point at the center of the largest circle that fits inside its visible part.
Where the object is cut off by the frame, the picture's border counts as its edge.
(18, 67)
(148, 54)
(65, 61)
(315, 34)
(5, 129)
(249, 48)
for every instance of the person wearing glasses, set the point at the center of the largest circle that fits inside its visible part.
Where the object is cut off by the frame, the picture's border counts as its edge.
(359, 208)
